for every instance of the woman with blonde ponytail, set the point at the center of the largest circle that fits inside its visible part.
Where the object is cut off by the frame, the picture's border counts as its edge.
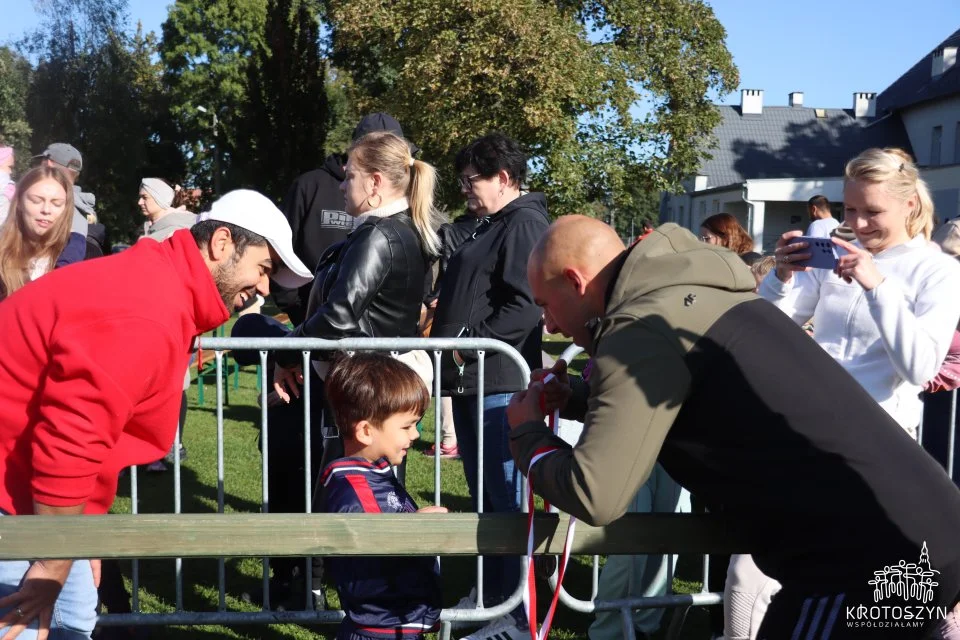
(373, 283)
(888, 311)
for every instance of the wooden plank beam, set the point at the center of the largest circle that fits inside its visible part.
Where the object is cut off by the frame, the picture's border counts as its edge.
(235, 535)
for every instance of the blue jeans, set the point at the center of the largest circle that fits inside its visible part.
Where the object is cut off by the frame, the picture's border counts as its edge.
(501, 480)
(74, 613)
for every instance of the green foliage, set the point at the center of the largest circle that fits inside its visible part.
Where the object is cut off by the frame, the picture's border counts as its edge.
(287, 124)
(604, 94)
(205, 50)
(97, 87)
(14, 85)
(256, 65)
(343, 114)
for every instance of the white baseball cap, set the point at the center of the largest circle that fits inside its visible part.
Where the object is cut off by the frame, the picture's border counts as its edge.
(255, 212)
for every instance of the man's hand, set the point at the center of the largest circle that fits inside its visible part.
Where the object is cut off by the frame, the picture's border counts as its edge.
(95, 569)
(35, 599)
(857, 265)
(433, 509)
(287, 382)
(525, 406)
(557, 391)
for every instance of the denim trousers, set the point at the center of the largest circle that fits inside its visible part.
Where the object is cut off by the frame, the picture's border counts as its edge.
(74, 613)
(501, 480)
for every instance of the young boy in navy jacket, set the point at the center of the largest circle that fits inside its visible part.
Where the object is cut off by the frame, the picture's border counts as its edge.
(377, 402)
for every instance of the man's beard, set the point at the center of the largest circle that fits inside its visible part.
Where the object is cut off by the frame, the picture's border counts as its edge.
(226, 281)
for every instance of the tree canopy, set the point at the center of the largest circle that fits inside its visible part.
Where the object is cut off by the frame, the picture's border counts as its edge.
(287, 123)
(600, 92)
(97, 86)
(205, 50)
(612, 98)
(15, 129)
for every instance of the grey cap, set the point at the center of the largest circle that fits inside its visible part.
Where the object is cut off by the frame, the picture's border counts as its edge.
(64, 155)
(381, 122)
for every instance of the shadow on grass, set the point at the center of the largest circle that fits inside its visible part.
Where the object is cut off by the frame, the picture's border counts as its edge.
(247, 414)
(155, 493)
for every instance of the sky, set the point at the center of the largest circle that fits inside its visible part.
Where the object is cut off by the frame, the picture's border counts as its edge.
(828, 49)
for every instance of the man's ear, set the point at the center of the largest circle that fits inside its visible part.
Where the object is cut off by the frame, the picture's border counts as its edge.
(575, 279)
(363, 433)
(219, 245)
(504, 178)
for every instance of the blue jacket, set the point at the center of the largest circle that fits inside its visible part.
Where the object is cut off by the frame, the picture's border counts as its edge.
(383, 597)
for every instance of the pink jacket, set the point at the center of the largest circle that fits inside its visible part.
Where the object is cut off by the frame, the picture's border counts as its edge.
(948, 378)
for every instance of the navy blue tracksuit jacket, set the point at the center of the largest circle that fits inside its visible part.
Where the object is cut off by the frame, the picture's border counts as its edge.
(383, 597)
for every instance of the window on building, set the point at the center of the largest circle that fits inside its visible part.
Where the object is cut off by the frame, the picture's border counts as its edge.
(956, 145)
(716, 206)
(935, 146)
(680, 219)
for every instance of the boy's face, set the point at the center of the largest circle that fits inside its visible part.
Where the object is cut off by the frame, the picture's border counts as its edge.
(394, 437)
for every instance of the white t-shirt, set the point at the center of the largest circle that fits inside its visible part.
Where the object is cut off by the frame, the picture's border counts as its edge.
(822, 228)
(39, 267)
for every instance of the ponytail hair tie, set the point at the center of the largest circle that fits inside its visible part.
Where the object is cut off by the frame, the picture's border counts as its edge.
(412, 161)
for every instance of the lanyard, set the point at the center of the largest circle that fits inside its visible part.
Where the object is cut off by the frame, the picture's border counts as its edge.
(530, 594)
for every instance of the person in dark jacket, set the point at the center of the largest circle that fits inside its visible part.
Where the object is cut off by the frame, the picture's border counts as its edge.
(97, 245)
(377, 401)
(485, 294)
(372, 283)
(693, 371)
(316, 212)
(452, 235)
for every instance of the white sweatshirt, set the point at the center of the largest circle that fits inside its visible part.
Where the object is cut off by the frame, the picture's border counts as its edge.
(892, 339)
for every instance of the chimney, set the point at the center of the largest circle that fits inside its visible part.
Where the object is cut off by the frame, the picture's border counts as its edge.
(795, 99)
(944, 59)
(864, 105)
(751, 101)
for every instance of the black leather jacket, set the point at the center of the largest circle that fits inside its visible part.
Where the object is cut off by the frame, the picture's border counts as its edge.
(370, 285)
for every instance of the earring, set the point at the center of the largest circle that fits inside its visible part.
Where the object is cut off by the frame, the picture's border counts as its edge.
(379, 202)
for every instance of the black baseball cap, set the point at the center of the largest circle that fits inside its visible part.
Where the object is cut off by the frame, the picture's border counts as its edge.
(381, 122)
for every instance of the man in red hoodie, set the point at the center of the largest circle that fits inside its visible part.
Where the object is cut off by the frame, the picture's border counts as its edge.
(91, 363)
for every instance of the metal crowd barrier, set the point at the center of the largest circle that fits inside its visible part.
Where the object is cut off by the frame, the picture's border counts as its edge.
(306, 346)
(309, 614)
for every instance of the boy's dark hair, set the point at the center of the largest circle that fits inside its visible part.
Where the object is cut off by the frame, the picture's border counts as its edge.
(819, 202)
(373, 387)
(242, 238)
(491, 153)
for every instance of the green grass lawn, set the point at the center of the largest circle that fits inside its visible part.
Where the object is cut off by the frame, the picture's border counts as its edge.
(242, 487)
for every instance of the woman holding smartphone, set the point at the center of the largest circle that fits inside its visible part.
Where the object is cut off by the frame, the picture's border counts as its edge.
(888, 310)
(886, 313)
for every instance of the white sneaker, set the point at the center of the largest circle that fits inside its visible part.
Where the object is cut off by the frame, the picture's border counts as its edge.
(503, 628)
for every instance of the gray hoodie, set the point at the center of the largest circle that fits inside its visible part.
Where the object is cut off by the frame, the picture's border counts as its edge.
(168, 224)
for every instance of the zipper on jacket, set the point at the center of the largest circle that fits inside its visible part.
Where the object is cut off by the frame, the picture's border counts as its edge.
(461, 367)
